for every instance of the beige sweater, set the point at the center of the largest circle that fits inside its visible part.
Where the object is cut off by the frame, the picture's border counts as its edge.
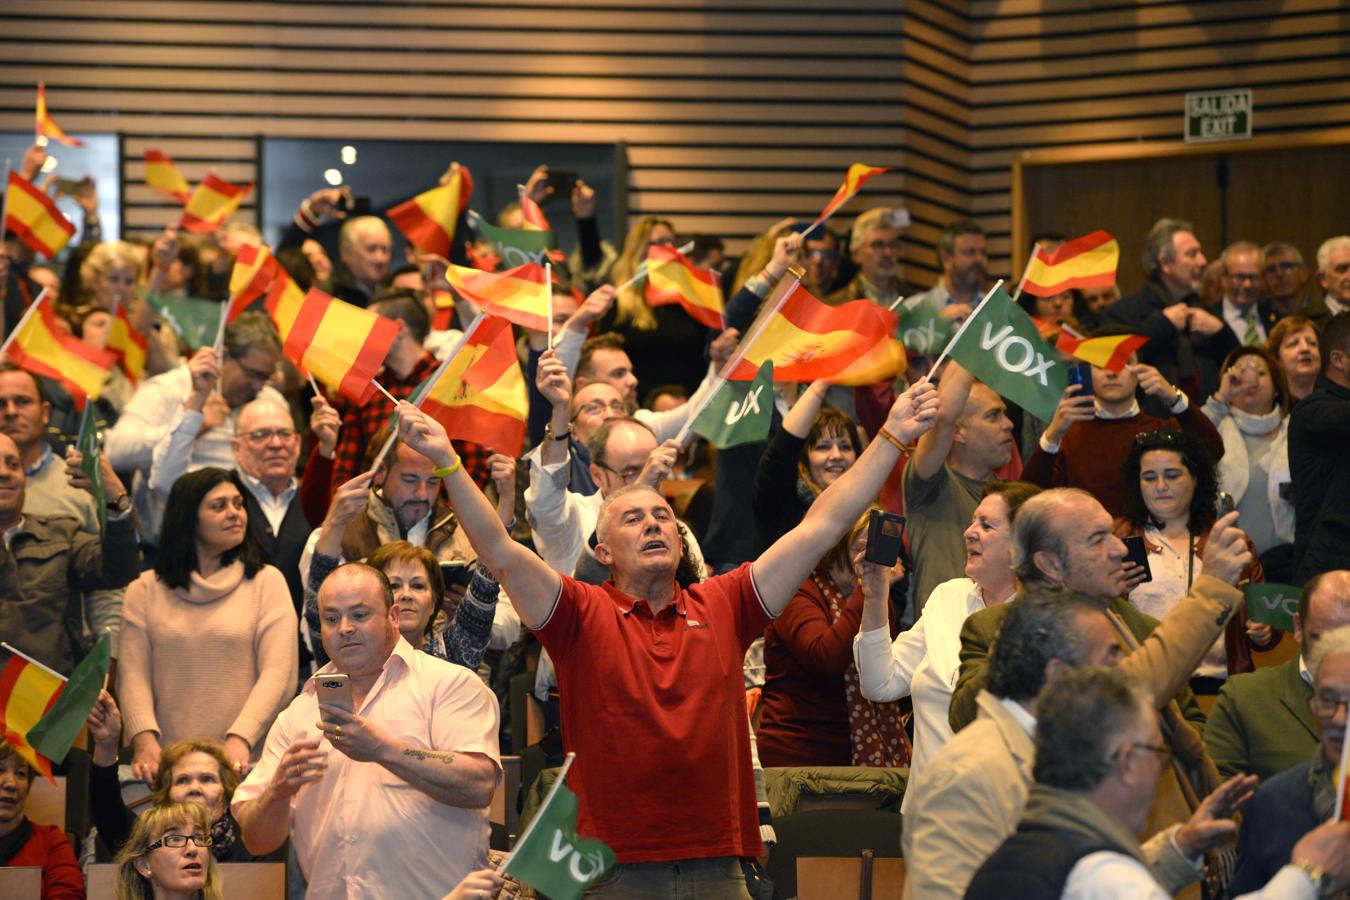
(217, 659)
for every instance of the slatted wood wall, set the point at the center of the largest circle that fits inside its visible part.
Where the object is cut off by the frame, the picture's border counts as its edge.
(734, 115)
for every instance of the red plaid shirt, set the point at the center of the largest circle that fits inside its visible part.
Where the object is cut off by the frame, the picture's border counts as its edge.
(360, 423)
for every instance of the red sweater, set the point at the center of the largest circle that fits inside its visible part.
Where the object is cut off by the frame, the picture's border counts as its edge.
(48, 848)
(1092, 454)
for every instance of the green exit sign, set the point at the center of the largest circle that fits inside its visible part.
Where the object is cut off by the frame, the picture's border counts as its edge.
(1219, 115)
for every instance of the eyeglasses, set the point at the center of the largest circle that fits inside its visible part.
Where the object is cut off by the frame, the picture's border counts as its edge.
(1325, 706)
(264, 435)
(599, 407)
(1244, 276)
(883, 246)
(1282, 267)
(1163, 751)
(174, 841)
(254, 374)
(628, 475)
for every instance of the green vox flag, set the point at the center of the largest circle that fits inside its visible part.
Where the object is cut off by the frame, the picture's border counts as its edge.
(92, 452)
(739, 412)
(193, 319)
(1272, 604)
(999, 345)
(56, 731)
(515, 247)
(923, 331)
(551, 858)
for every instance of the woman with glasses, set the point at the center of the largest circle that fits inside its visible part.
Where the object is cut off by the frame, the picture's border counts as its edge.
(208, 634)
(168, 856)
(1171, 501)
(1293, 341)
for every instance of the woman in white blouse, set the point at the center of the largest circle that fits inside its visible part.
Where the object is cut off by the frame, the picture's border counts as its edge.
(924, 661)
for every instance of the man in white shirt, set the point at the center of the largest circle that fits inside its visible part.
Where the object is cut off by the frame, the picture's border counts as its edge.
(1333, 271)
(390, 800)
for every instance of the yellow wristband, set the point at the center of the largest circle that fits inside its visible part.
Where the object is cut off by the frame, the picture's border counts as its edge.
(894, 441)
(447, 471)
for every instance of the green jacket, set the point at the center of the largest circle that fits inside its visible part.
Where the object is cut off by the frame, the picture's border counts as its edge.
(1261, 722)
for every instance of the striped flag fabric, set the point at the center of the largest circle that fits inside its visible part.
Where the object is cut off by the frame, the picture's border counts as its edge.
(481, 395)
(857, 175)
(672, 278)
(808, 339)
(56, 731)
(283, 303)
(40, 345)
(1110, 353)
(128, 346)
(341, 344)
(1086, 262)
(428, 220)
(214, 200)
(254, 271)
(520, 295)
(162, 175)
(28, 690)
(33, 216)
(533, 219)
(45, 126)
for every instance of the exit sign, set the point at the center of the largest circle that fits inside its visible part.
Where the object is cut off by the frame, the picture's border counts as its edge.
(1218, 115)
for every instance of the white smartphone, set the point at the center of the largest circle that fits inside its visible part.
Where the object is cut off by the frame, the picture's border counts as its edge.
(335, 689)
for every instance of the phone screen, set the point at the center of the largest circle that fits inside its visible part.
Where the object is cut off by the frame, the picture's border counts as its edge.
(1137, 553)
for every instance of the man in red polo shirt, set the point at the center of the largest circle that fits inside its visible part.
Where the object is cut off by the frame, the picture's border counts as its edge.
(649, 674)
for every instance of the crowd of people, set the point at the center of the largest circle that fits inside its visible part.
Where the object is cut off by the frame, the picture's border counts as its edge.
(1068, 592)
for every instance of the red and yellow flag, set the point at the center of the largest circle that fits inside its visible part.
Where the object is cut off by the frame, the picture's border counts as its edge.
(533, 219)
(1086, 262)
(42, 346)
(283, 303)
(808, 339)
(46, 126)
(481, 395)
(162, 175)
(1110, 353)
(33, 216)
(214, 200)
(519, 295)
(428, 220)
(858, 174)
(27, 692)
(672, 278)
(255, 268)
(128, 345)
(341, 344)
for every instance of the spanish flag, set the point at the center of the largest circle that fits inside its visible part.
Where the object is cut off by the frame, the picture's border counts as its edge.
(533, 219)
(214, 200)
(480, 396)
(162, 175)
(1086, 262)
(33, 216)
(883, 362)
(808, 339)
(27, 691)
(40, 345)
(672, 278)
(857, 175)
(520, 295)
(1109, 353)
(255, 269)
(128, 345)
(46, 127)
(428, 220)
(341, 344)
(283, 303)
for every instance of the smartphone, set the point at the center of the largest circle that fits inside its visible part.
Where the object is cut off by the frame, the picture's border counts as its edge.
(1136, 552)
(357, 205)
(335, 689)
(884, 531)
(455, 575)
(1081, 374)
(562, 182)
(67, 187)
(1226, 503)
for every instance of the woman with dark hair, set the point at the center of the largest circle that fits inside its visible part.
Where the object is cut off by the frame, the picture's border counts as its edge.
(814, 711)
(1251, 411)
(807, 454)
(168, 856)
(210, 620)
(1171, 500)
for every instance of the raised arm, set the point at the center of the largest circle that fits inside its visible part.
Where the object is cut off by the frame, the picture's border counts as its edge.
(532, 586)
(791, 558)
(931, 453)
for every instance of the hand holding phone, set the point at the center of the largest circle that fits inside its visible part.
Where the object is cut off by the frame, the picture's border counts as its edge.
(334, 689)
(1137, 554)
(884, 535)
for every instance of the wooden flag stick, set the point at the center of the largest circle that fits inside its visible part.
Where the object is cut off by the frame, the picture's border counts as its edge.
(548, 286)
(379, 387)
(942, 357)
(314, 384)
(896, 304)
(27, 314)
(641, 272)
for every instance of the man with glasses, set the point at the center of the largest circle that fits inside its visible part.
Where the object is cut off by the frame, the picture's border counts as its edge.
(874, 245)
(1099, 757)
(1243, 310)
(1285, 279)
(184, 419)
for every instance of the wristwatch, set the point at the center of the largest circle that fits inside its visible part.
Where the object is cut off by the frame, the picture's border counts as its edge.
(1321, 881)
(548, 433)
(121, 505)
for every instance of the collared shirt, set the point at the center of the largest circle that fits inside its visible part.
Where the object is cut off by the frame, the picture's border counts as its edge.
(44, 457)
(1335, 306)
(11, 531)
(1019, 713)
(1303, 669)
(274, 508)
(361, 831)
(1238, 320)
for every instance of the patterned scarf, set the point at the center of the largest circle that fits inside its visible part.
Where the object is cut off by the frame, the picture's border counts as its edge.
(223, 837)
(876, 730)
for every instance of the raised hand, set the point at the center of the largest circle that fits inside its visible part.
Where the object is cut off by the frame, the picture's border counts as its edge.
(165, 249)
(502, 471)
(552, 381)
(325, 422)
(660, 463)
(787, 250)
(1212, 822)
(1152, 382)
(204, 369)
(723, 346)
(592, 309)
(1074, 406)
(537, 188)
(328, 202)
(105, 729)
(913, 413)
(1226, 553)
(583, 200)
(425, 435)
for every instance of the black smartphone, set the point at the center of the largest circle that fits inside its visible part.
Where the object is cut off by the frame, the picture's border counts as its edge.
(1081, 374)
(1137, 553)
(562, 182)
(354, 205)
(884, 532)
(67, 187)
(455, 575)
(1226, 503)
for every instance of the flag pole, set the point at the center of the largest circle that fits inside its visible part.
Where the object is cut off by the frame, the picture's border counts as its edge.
(896, 304)
(27, 314)
(766, 314)
(548, 286)
(641, 272)
(548, 798)
(942, 357)
(17, 652)
(1026, 270)
(314, 384)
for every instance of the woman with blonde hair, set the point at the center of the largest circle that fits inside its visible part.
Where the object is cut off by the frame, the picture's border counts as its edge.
(168, 856)
(109, 277)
